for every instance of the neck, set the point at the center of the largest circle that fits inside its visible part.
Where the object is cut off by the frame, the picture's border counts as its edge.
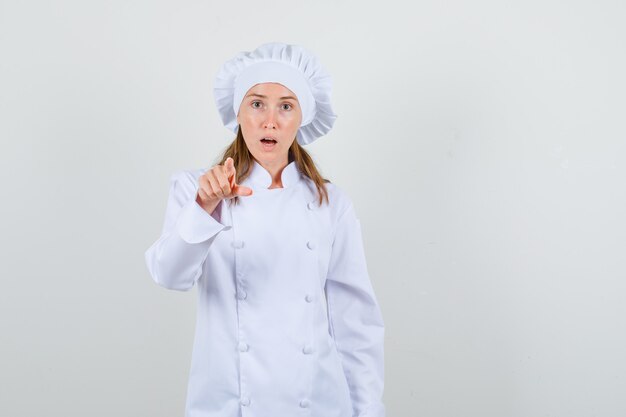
(275, 169)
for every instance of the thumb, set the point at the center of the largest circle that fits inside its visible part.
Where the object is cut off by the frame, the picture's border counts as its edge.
(229, 169)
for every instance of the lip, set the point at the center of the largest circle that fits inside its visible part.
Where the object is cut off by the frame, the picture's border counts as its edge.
(269, 137)
(268, 147)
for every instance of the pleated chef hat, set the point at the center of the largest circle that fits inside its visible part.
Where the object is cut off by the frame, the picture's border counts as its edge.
(290, 65)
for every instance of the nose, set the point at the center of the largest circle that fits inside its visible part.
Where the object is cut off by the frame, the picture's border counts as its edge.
(270, 123)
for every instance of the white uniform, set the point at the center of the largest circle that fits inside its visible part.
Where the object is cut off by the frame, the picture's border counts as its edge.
(287, 321)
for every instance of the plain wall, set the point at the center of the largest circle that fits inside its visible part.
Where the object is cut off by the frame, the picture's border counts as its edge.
(482, 142)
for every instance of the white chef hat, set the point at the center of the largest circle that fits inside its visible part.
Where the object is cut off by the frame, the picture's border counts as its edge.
(290, 65)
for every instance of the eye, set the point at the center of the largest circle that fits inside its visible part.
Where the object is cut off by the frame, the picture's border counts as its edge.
(287, 104)
(255, 102)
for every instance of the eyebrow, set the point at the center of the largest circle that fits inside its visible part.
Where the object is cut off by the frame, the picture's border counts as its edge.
(281, 98)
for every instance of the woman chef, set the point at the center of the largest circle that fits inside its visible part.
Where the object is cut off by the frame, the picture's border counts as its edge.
(287, 321)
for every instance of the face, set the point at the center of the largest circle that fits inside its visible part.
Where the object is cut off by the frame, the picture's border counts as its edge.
(269, 110)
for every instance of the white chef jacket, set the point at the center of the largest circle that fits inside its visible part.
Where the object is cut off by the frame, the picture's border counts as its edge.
(287, 320)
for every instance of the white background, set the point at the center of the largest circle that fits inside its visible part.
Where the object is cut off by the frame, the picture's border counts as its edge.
(482, 142)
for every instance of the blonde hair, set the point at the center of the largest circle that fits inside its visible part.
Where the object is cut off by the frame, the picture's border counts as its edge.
(243, 161)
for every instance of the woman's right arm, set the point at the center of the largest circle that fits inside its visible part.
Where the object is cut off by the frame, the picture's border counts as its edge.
(175, 260)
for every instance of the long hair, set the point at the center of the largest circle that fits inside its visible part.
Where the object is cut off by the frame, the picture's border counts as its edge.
(243, 161)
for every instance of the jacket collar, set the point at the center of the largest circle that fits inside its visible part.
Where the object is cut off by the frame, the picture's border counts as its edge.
(261, 178)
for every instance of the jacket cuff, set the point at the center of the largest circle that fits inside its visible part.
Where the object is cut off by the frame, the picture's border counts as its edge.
(195, 225)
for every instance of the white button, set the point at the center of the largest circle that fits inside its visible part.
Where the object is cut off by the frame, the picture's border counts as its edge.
(243, 347)
(311, 205)
(310, 244)
(305, 403)
(307, 350)
(237, 244)
(308, 298)
(242, 295)
(244, 401)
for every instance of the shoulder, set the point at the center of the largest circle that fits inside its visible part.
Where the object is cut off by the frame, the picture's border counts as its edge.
(339, 199)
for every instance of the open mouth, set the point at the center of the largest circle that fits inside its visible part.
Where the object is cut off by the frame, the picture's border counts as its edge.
(268, 143)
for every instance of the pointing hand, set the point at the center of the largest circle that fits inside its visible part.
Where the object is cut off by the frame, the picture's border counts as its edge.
(217, 184)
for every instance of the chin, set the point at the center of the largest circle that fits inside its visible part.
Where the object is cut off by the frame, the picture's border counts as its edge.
(270, 156)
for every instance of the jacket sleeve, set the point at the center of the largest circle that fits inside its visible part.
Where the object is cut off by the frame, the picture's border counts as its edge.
(355, 318)
(175, 260)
